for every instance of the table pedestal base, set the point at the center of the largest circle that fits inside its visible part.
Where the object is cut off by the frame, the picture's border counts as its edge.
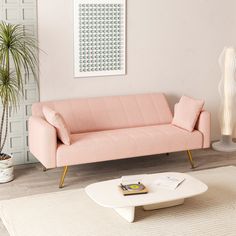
(163, 205)
(127, 213)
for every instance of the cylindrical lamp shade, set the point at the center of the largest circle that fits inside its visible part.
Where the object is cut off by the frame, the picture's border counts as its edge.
(227, 89)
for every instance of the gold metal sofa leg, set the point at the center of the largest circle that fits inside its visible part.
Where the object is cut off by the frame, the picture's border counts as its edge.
(190, 159)
(63, 177)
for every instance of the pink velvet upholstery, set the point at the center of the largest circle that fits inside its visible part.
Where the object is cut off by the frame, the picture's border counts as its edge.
(43, 141)
(109, 128)
(186, 113)
(204, 126)
(56, 120)
(123, 143)
(107, 113)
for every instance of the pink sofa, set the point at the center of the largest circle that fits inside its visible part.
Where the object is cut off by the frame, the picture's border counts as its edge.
(109, 128)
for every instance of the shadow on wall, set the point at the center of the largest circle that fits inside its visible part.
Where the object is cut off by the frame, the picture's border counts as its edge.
(172, 100)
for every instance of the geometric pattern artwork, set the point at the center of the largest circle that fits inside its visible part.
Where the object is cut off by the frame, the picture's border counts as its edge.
(21, 12)
(99, 37)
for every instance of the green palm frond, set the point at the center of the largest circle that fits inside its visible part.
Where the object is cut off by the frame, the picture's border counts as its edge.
(16, 45)
(9, 90)
(18, 60)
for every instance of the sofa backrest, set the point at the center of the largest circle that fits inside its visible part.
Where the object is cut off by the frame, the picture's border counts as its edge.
(106, 113)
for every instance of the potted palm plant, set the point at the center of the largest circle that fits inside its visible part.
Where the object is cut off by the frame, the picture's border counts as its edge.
(18, 59)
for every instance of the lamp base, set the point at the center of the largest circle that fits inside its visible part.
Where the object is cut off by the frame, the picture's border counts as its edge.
(225, 144)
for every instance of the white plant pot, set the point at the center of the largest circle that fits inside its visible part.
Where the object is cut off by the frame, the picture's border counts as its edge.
(6, 170)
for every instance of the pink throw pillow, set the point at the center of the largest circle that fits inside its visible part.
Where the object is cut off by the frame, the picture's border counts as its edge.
(55, 119)
(187, 112)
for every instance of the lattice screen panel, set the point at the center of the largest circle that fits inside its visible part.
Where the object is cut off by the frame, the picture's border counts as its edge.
(99, 37)
(21, 12)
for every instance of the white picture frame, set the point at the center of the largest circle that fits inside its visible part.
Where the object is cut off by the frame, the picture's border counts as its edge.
(99, 38)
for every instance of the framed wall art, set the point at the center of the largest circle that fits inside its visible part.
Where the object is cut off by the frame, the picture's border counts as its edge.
(99, 37)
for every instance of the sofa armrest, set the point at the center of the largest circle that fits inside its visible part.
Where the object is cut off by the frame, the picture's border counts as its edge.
(43, 141)
(204, 126)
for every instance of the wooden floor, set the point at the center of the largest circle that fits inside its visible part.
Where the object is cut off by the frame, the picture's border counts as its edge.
(30, 179)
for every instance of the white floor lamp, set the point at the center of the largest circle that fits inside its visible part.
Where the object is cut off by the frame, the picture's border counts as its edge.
(227, 90)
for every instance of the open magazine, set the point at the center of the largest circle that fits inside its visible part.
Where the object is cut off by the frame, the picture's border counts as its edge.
(169, 182)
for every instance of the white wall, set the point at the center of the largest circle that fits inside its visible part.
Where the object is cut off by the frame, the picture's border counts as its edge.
(172, 46)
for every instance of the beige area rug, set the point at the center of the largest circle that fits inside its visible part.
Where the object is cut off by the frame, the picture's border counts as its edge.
(72, 213)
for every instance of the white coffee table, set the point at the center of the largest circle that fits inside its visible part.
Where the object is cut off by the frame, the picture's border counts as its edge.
(107, 194)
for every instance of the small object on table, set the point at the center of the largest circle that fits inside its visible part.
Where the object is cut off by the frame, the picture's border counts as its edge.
(132, 189)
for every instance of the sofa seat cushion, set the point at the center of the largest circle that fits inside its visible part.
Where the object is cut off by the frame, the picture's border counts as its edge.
(124, 143)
